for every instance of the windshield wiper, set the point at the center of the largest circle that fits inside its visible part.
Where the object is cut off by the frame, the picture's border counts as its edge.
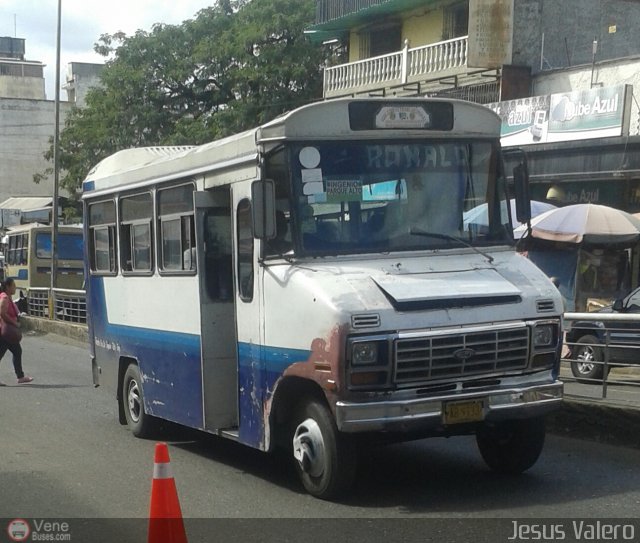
(285, 256)
(438, 235)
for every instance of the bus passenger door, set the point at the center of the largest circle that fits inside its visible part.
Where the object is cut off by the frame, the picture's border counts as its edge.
(214, 249)
(248, 296)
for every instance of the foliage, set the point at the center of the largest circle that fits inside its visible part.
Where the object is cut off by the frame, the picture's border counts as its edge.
(234, 66)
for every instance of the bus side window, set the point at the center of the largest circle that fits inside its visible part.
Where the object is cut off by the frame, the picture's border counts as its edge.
(245, 251)
(102, 237)
(24, 249)
(11, 257)
(136, 215)
(176, 230)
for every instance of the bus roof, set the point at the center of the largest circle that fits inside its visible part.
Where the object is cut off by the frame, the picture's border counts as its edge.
(132, 168)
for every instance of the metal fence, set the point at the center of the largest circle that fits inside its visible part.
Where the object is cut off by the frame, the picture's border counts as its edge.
(600, 360)
(58, 304)
(601, 357)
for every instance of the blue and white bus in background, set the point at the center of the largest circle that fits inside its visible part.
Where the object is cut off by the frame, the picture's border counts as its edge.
(311, 282)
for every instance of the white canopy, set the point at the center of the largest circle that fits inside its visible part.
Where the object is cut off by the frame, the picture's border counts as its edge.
(27, 203)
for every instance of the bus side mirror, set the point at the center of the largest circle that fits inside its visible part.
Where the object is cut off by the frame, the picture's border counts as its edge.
(521, 185)
(263, 195)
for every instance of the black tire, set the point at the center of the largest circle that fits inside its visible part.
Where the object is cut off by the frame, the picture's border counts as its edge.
(325, 459)
(512, 447)
(141, 424)
(586, 352)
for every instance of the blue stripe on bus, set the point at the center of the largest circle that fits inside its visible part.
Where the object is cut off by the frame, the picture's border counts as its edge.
(23, 275)
(88, 186)
(170, 363)
(256, 382)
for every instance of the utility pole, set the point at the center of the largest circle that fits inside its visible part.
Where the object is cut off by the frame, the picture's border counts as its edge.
(56, 171)
(594, 51)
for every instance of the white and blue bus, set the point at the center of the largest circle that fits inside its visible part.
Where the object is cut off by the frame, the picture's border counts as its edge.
(312, 281)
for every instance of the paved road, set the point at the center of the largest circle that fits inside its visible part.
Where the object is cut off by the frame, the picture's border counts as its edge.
(65, 455)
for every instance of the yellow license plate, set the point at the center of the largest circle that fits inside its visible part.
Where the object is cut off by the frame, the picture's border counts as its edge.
(459, 412)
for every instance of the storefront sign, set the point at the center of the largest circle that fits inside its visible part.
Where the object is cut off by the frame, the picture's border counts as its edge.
(593, 113)
(490, 33)
(592, 192)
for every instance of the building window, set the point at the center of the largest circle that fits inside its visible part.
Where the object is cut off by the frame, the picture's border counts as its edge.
(177, 229)
(136, 216)
(456, 20)
(245, 251)
(102, 238)
(380, 40)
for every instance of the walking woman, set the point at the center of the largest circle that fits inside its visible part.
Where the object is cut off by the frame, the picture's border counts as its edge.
(9, 315)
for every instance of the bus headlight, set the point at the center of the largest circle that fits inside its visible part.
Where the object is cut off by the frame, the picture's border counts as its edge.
(544, 335)
(364, 354)
(368, 359)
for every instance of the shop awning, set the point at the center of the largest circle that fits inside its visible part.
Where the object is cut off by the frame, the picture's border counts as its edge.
(27, 203)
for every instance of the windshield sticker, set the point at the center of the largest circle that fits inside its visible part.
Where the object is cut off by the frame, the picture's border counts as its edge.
(311, 176)
(320, 198)
(344, 191)
(309, 157)
(312, 188)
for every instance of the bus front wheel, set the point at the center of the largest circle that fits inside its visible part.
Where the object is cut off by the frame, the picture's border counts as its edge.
(512, 447)
(141, 424)
(324, 458)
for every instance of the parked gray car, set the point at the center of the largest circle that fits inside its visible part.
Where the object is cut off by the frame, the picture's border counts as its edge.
(587, 339)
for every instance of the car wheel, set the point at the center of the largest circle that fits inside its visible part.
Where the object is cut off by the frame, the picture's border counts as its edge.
(586, 354)
(511, 447)
(141, 424)
(324, 458)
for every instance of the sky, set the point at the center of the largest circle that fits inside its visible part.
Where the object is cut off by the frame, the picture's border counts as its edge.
(83, 21)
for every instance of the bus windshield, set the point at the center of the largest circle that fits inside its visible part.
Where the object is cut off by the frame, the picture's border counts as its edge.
(358, 197)
(69, 246)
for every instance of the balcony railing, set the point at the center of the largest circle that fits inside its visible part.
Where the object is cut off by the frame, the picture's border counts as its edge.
(409, 65)
(330, 10)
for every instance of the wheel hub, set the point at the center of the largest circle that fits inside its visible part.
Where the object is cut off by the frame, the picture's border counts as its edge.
(585, 358)
(133, 397)
(308, 447)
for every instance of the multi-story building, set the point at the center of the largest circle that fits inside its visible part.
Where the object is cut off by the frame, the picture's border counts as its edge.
(27, 119)
(81, 77)
(561, 73)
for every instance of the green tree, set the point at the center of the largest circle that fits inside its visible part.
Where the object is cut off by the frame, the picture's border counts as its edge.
(234, 66)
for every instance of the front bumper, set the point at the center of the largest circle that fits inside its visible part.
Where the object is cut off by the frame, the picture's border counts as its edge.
(428, 413)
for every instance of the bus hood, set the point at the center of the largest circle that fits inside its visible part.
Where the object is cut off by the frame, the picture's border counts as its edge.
(481, 286)
(447, 284)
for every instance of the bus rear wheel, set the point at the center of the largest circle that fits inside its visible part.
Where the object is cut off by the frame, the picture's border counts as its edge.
(324, 458)
(141, 424)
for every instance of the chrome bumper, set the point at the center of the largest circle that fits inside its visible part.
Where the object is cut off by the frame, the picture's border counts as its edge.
(426, 413)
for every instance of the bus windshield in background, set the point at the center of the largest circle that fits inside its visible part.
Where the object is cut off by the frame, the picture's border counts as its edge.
(69, 246)
(364, 196)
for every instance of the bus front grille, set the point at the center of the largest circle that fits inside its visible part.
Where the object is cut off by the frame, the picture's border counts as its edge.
(460, 355)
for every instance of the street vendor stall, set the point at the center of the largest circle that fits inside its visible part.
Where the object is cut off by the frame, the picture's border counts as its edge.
(588, 249)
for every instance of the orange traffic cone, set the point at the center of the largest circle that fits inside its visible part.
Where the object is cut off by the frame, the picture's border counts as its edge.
(165, 516)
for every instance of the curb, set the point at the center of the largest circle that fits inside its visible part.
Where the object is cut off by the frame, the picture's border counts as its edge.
(597, 421)
(66, 329)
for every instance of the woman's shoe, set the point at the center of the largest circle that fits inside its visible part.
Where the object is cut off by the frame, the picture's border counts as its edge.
(24, 380)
